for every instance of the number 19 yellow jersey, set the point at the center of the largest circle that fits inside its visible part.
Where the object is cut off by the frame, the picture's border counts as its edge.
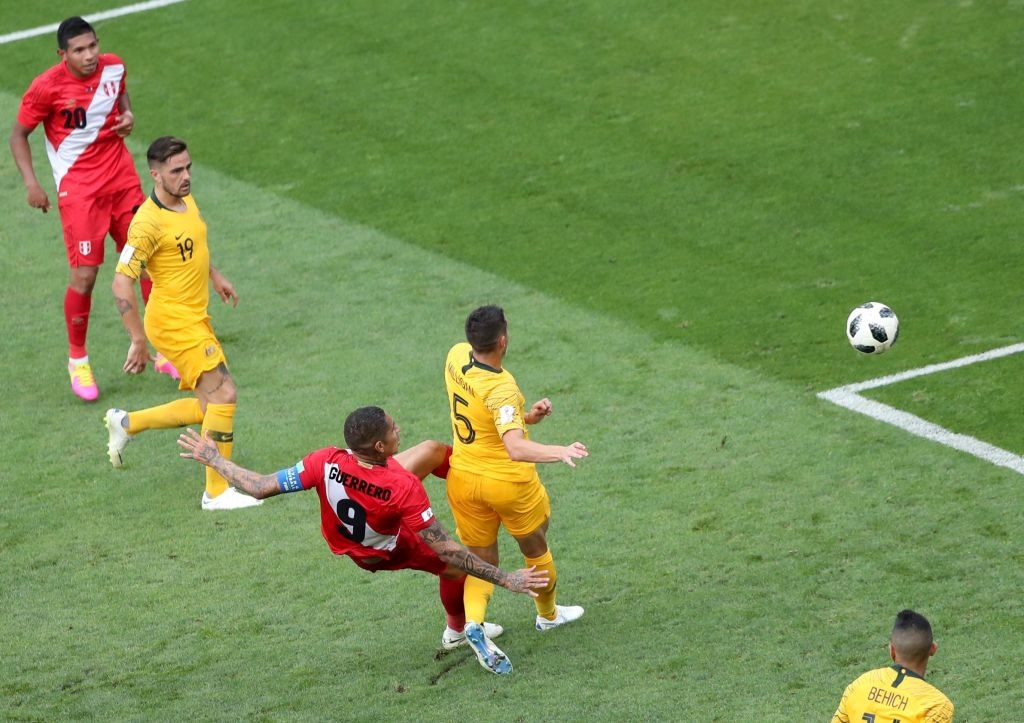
(173, 248)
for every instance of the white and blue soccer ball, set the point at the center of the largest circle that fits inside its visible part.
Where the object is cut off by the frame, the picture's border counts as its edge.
(872, 328)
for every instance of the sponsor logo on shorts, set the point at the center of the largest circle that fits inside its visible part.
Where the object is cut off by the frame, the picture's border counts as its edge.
(211, 350)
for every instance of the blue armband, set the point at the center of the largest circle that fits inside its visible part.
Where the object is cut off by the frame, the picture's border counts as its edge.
(288, 479)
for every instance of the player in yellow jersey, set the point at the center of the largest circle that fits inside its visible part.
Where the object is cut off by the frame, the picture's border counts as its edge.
(898, 693)
(167, 238)
(492, 480)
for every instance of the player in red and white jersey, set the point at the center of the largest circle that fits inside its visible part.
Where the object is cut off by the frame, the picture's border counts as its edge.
(363, 510)
(83, 106)
(374, 510)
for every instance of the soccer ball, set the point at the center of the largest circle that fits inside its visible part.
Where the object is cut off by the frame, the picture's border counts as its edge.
(872, 328)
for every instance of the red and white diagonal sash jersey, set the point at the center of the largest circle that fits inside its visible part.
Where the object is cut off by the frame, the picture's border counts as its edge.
(364, 510)
(87, 157)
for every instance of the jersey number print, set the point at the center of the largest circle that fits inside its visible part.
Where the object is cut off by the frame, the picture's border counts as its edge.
(469, 434)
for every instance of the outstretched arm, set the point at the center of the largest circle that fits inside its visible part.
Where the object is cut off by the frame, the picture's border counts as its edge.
(204, 450)
(521, 449)
(457, 556)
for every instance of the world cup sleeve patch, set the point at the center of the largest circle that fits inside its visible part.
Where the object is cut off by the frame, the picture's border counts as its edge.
(506, 414)
(126, 254)
(288, 479)
(427, 514)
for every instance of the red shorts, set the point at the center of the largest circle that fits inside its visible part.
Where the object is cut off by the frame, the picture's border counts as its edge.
(411, 553)
(87, 222)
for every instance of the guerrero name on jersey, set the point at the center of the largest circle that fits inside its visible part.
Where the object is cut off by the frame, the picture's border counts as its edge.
(363, 510)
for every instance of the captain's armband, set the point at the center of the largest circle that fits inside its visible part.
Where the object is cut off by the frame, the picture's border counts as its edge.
(288, 479)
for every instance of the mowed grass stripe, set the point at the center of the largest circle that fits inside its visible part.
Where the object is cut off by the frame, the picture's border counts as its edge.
(717, 506)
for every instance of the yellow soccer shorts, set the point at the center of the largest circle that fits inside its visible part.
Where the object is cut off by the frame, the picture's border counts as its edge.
(192, 351)
(482, 504)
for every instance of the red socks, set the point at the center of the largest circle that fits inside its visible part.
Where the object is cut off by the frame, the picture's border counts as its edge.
(451, 599)
(76, 318)
(442, 469)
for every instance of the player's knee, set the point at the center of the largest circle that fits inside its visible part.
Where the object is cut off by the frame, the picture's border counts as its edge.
(217, 387)
(229, 394)
(83, 279)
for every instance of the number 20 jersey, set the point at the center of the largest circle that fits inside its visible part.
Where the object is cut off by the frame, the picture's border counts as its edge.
(87, 157)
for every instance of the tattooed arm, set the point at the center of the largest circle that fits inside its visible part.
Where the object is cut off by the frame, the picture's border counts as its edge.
(128, 307)
(203, 449)
(457, 556)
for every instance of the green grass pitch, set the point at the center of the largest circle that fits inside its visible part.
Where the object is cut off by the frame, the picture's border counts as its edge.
(678, 204)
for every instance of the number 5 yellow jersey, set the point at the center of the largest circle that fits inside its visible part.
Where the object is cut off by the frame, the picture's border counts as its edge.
(484, 403)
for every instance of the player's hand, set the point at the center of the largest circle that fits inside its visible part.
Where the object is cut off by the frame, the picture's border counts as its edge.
(225, 290)
(201, 449)
(576, 450)
(526, 580)
(37, 198)
(138, 358)
(123, 124)
(539, 410)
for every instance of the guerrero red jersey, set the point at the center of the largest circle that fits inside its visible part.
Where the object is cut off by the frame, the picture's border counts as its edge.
(77, 114)
(363, 510)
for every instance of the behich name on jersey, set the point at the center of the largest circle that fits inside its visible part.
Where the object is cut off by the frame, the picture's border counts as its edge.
(887, 697)
(356, 483)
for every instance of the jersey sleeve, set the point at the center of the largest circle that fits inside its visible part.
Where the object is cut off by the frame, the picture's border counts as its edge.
(35, 105)
(505, 404)
(143, 239)
(309, 471)
(942, 712)
(840, 716)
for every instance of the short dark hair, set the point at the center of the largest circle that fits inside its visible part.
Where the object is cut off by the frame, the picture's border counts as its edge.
(72, 28)
(163, 148)
(365, 427)
(484, 326)
(912, 635)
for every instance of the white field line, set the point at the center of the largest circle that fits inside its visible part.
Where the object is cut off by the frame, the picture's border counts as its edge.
(848, 397)
(91, 17)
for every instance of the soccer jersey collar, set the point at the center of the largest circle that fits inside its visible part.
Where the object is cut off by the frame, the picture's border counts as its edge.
(90, 80)
(473, 361)
(160, 205)
(906, 672)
